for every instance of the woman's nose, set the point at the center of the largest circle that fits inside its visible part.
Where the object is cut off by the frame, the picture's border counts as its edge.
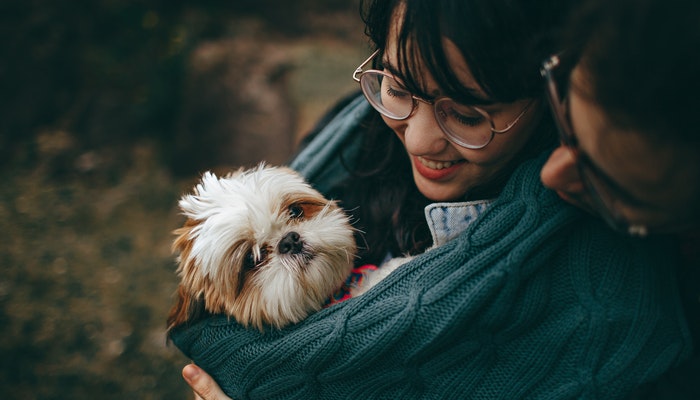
(423, 135)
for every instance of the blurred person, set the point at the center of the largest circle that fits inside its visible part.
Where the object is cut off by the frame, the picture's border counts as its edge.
(627, 115)
(521, 294)
(625, 94)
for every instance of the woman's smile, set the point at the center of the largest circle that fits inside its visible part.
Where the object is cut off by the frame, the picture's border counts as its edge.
(435, 169)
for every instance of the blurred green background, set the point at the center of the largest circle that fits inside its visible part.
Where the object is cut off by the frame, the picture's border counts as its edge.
(110, 110)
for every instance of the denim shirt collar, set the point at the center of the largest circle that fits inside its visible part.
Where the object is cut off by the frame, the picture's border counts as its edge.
(447, 220)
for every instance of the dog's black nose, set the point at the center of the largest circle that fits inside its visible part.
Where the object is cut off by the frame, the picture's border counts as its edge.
(290, 243)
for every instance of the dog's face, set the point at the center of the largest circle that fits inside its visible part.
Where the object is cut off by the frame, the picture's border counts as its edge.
(260, 245)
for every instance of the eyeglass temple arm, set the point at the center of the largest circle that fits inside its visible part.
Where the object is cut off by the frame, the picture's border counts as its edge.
(507, 128)
(548, 65)
(358, 70)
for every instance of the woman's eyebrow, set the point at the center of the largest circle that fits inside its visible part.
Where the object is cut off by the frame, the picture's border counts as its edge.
(474, 96)
(386, 65)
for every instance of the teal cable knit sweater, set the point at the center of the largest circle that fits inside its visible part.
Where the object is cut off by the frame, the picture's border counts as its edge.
(534, 300)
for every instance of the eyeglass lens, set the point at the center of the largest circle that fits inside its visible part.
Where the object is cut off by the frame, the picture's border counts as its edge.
(386, 95)
(465, 125)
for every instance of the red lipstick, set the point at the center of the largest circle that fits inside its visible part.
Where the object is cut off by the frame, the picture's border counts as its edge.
(435, 174)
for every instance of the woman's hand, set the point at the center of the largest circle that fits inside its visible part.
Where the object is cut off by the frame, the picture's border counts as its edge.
(204, 386)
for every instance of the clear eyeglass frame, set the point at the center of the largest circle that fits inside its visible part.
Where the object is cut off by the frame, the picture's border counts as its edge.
(470, 137)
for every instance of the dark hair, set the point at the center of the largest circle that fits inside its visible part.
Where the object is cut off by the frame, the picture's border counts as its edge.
(503, 42)
(641, 60)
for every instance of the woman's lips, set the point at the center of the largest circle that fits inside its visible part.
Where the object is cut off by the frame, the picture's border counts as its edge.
(435, 170)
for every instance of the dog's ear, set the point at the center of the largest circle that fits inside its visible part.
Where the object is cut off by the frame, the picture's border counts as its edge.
(187, 309)
(183, 242)
(200, 200)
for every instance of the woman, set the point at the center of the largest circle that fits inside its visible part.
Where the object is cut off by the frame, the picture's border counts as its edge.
(630, 137)
(523, 296)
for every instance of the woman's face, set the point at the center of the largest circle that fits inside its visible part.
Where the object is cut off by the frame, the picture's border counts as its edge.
(651, 183)
(444, 171)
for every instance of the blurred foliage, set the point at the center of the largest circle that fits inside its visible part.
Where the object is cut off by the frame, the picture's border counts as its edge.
(109, 70)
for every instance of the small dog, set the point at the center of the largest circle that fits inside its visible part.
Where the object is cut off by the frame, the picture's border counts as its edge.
(260, 245)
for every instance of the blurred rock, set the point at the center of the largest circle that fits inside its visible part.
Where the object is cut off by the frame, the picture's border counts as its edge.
(232, 89)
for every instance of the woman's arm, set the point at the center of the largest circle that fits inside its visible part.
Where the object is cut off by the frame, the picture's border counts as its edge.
(533, 298)
(204, 386)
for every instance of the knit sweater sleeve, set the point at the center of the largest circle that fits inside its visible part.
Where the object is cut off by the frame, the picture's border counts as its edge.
(321, 161)
(533, 300)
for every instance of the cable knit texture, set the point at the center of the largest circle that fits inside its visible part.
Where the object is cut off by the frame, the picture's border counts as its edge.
(534, 300)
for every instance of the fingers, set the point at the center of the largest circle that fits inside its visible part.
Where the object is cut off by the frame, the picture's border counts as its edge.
(204, 386)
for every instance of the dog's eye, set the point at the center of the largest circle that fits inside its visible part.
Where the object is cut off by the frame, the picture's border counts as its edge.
(296, 211)
(249, 261)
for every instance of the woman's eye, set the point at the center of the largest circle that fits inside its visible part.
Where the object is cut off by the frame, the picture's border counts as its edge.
(394, 92)
(296, 211)
(393, 89)
(250, 262)
(467, 120)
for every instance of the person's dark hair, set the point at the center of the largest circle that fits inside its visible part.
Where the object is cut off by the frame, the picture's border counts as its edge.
(641, 60)
(503, 42)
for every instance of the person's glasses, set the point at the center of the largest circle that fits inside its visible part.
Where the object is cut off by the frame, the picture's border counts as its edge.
(466, 126)
(601, 189)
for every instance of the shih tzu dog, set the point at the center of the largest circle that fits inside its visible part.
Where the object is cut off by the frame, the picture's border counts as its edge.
(260, 245)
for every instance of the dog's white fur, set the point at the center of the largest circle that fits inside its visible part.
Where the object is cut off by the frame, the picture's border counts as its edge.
(260, 245)
(373, 277)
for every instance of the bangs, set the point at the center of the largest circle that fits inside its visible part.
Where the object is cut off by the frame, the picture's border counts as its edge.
(503, 47)
(420, 53)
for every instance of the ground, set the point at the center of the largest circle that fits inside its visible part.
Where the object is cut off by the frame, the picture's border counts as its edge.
(94, 158)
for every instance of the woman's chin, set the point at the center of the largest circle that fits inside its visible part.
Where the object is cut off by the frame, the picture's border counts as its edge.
(440, 192)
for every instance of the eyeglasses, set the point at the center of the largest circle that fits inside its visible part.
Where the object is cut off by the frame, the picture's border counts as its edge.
(601, 189)
(466, 126)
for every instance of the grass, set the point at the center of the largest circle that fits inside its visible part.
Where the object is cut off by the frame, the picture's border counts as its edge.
(87, 279)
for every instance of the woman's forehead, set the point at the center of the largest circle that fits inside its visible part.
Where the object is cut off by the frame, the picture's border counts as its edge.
(419, 73)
